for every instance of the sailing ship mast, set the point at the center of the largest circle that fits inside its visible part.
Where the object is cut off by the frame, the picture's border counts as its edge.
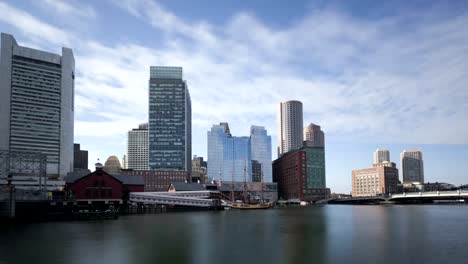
(261, 179)
(232, 186)
(245, 181)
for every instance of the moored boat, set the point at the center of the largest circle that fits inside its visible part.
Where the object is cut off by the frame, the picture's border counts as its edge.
(251, 206)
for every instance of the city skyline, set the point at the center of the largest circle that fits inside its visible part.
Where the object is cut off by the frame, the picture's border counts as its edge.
(422, 108)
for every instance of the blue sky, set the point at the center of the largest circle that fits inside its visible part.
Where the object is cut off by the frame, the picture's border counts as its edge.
(373, 74)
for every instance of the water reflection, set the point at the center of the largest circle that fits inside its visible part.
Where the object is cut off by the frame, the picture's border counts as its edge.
(319, 234)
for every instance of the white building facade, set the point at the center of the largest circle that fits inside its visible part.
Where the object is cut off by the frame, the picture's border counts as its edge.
(137, 148)
(290, 126)
(381, 155)
(37, 103)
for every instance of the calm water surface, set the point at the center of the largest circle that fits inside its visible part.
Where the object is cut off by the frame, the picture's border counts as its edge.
(318, 234)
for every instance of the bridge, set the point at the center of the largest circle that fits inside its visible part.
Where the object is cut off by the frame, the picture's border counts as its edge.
(431, 196)
(418, 197)
(206, 199)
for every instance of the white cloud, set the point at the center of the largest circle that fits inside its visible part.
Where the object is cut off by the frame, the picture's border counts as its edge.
(371, 80)
(68, 8)
(360, 80)
(33, 29)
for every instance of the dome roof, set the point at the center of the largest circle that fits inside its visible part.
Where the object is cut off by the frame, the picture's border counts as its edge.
(112, 161)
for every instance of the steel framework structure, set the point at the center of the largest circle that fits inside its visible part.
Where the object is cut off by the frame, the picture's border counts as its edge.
(17, 165)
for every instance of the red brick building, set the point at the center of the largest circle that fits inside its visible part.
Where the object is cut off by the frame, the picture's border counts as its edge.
(295, 173)
(158, 181)
(288, 172)
(102, 186)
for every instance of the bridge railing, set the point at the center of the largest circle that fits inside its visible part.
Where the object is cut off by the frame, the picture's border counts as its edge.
(164, 198)
(461, 193)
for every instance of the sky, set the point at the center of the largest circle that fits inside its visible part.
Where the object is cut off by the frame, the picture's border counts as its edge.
(389, 74)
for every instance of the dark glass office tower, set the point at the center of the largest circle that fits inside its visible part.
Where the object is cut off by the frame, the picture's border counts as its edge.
(170, 120)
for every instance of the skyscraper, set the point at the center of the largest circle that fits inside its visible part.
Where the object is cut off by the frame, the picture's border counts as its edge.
(228, 156)
(170, 120)
(290, 126)
(260, 144)
(137, 148)
(381, 155)
(80, 157)
(314, 136)
(231, 158)
(37, 103)
(412, 166)
(199, 168)
(300, 174)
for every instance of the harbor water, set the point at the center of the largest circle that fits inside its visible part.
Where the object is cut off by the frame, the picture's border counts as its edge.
(315, 234)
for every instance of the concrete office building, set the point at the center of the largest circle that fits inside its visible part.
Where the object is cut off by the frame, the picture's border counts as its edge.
(137, 148)
(314, 136)
(170, 120)
(290, 135)
(37, 103)
(381, 155)
(199, 170)
(412, 166)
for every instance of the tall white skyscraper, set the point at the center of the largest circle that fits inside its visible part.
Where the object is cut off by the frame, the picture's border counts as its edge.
(137, 148)
(381, 155)
(290, 126)
(412, 166)
(37, 103)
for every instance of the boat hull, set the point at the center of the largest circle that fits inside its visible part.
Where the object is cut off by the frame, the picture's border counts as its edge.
(250, 206)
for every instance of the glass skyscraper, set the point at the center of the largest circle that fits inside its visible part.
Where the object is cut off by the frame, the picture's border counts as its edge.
(260, 144)
(230, 158)
(315, 158)
(170, 120)
(412, 166)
